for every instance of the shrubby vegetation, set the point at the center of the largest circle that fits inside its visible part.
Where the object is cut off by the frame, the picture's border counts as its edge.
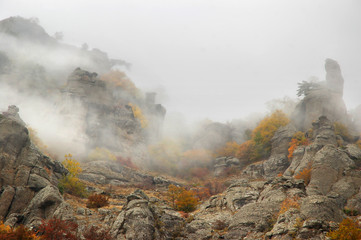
(182, 199)
(342, 130)
(97, 201)
(56, 229)
(259, 146)
(18, 233)
(298, 139)
(289, 202)
(70, 183)
(305, 174)
(348, 229)
(138, 114)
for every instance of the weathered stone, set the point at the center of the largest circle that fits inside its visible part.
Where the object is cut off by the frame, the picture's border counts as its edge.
(7, 194)
(323, 101)
(321, 208)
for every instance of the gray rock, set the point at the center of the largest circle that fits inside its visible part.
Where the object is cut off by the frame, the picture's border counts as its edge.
(323, 101)
(321, 208)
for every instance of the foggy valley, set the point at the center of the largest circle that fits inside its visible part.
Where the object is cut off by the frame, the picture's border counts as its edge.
(180, 120)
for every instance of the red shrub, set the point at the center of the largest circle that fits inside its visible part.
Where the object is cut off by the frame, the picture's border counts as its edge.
(56, 229)
(202, 193)
(126, 162)
(215, 187)
(95, 233)
(97, 201)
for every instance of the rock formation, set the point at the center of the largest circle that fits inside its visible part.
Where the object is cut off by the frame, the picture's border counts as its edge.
(326, 100)
(28, 179)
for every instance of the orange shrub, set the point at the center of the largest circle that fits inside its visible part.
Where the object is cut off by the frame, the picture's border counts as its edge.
(298, 139)
(348, 229)
(202, 193)
(182, 199)
(97, 201)
(20, 232)
(289, 203)
(305, 174)
(247, 151)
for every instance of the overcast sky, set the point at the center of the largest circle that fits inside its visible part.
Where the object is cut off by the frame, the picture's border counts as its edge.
(217, 59)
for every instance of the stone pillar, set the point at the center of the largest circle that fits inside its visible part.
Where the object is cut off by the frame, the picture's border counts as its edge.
(334, 79)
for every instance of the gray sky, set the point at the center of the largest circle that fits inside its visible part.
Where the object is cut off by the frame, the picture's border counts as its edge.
(220, 59)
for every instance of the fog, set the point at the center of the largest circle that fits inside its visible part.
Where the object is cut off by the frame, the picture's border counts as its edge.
(214, 59)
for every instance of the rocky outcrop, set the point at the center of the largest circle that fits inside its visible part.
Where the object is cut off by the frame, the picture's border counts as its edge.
(28, 179)
(326, 100)
(140, 219)
(108, 115)
(278, 161)
(226, 165)
(334, 79)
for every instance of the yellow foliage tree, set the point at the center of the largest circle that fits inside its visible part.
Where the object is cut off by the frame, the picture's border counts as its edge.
(265, 131)
(259, 146)
(347, 230)
(138, 114)
(70, 183)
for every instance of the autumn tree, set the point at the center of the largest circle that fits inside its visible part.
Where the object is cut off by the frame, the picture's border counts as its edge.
(265, 131)
(259, 146)
(182, 199)
(70, 183)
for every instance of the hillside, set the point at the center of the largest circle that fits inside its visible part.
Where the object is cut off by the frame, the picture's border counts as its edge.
(291, 176)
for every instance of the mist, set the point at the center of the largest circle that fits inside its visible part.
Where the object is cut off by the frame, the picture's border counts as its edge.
(216, 68)
(218, 54)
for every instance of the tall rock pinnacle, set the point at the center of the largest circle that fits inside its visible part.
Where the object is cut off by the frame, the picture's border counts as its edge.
(334, 79)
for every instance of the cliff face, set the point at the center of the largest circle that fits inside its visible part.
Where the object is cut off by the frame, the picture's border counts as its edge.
(109, 115)
(28, 179)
